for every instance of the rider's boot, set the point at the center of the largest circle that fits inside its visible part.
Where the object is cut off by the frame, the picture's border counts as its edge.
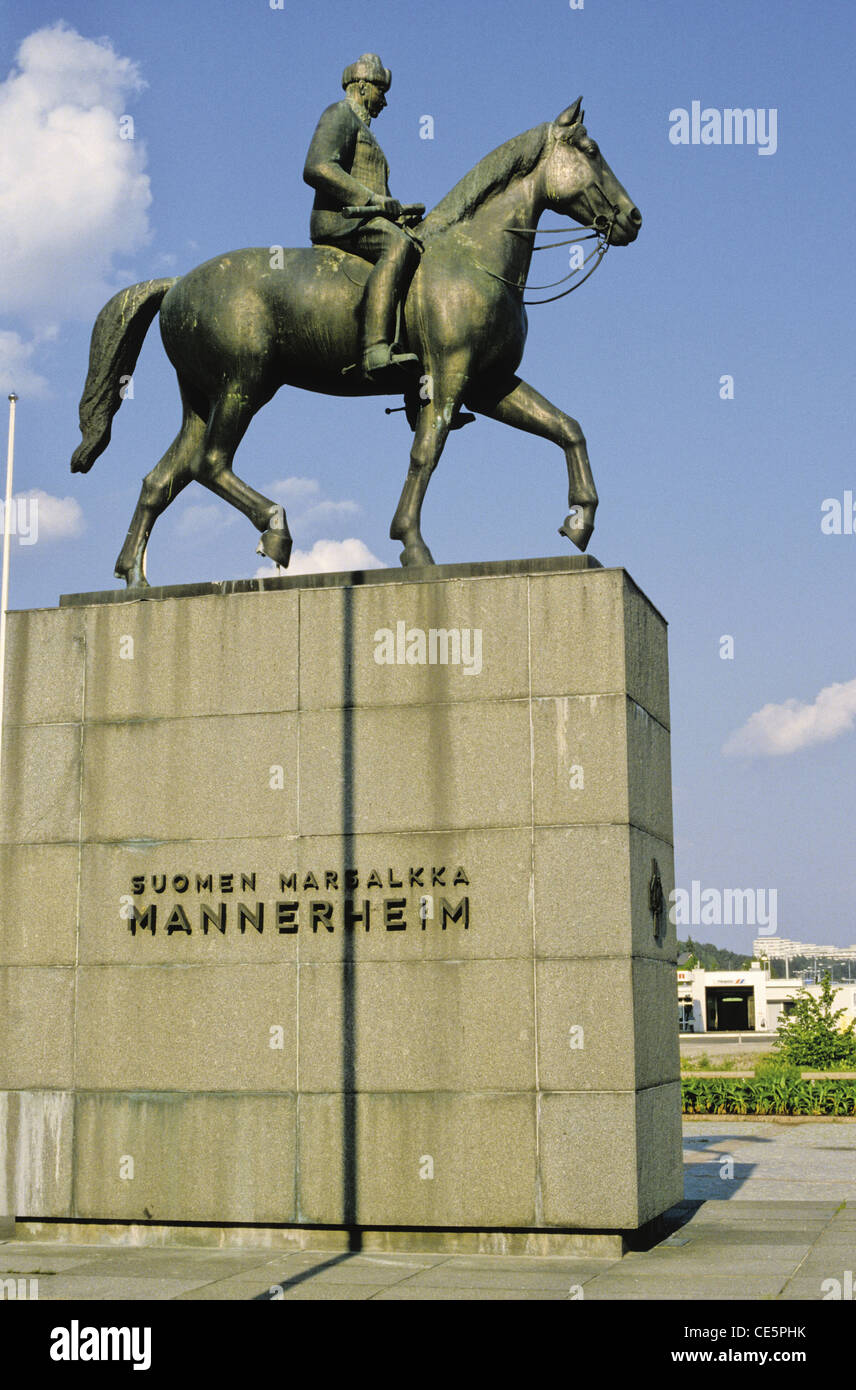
(382, 357)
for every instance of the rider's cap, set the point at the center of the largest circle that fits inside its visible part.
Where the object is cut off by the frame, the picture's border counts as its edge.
(368, 68)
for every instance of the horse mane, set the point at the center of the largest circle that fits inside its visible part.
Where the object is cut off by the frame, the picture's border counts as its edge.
(516, 158)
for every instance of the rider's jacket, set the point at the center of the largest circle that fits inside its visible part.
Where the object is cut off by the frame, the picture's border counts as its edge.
(344, 165)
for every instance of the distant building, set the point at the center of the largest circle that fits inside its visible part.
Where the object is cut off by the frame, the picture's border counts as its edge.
(744, 1001)
(782, 948)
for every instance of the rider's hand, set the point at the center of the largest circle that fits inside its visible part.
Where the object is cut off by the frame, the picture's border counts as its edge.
(389, 207)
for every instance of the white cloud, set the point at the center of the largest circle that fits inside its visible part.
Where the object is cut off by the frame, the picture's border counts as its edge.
(16, 374)
(59, 517)
(294, 489)
(305, 505)
(327, 510)
(327, 557)
(73, 192)
(775, 730)
(37, 516)
(203, 517)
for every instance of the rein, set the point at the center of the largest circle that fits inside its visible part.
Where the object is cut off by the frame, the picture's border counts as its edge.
(601, 230)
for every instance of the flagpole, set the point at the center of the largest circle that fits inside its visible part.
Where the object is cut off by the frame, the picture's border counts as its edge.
(7, 545)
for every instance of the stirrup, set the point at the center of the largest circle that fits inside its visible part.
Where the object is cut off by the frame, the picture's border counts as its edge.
(379, 358)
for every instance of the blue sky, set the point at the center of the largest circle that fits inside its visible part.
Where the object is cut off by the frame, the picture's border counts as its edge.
(744, 267)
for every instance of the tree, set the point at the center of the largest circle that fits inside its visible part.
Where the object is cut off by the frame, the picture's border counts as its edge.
(706, 956)
(811, 1035)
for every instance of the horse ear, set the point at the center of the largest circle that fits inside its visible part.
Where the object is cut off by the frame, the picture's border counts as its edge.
(571, 114)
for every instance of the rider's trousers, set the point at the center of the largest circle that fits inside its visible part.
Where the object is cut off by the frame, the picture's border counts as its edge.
(395, 258)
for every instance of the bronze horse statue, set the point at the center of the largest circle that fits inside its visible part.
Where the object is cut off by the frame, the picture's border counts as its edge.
(242, 325)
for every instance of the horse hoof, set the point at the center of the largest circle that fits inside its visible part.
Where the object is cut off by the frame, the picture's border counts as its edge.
(578, 526)
(133, 579)
(417, 555)
(276, 545)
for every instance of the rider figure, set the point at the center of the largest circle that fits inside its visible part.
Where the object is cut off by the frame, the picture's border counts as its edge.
(346, 166)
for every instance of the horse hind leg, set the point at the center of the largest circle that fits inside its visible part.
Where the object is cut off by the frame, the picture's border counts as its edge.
(160, 487)
(227, 425)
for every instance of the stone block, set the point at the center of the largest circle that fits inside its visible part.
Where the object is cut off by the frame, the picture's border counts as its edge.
(36, 1145)
(41, 784)
(591, 892)
(36, 1027)
(38, 904)
(420, 767)
(362, 1161)
(646, 655)
(582, 891)
(599, 636)
(179, 779)
(645, 851)
(659, 1149)
(44, 667)
(173, 659)
(212, 1158)
(187, 1028)
(600, 758)
(610, 1159)
(348, 635)
(577, 634)
(588, 1159)
(417, 1026)
(606, 1025)
(580, 760)
(649, 773)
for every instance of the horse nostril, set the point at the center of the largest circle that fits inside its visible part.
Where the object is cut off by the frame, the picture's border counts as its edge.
(636, 217)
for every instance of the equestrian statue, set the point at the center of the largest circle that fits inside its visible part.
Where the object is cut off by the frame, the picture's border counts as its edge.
(386, 301)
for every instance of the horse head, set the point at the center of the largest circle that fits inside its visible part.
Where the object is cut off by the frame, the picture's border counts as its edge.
(578, 182)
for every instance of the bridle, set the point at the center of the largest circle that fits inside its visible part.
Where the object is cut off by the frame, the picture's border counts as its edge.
(600, 231)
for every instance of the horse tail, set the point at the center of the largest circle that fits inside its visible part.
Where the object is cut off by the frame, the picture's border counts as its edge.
(117, 338)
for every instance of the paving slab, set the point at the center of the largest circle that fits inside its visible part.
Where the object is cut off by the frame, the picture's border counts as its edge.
(812, 1287)
(732, 1286)
(71, 1288)
(334, 1293)
(402, 1292)
(367, 1273)
(18, 1258)
(452, 1277)
(163, 1265)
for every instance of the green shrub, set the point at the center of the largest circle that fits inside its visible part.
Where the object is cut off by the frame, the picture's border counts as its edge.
(811, 1035)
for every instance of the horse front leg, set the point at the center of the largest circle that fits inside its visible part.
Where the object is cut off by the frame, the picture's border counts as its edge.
(520, 405)
(432, 430)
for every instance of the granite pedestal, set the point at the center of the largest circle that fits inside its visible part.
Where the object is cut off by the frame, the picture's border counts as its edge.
(327, 901)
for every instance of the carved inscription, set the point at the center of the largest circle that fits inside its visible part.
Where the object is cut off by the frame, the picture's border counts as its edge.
(316, 901)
